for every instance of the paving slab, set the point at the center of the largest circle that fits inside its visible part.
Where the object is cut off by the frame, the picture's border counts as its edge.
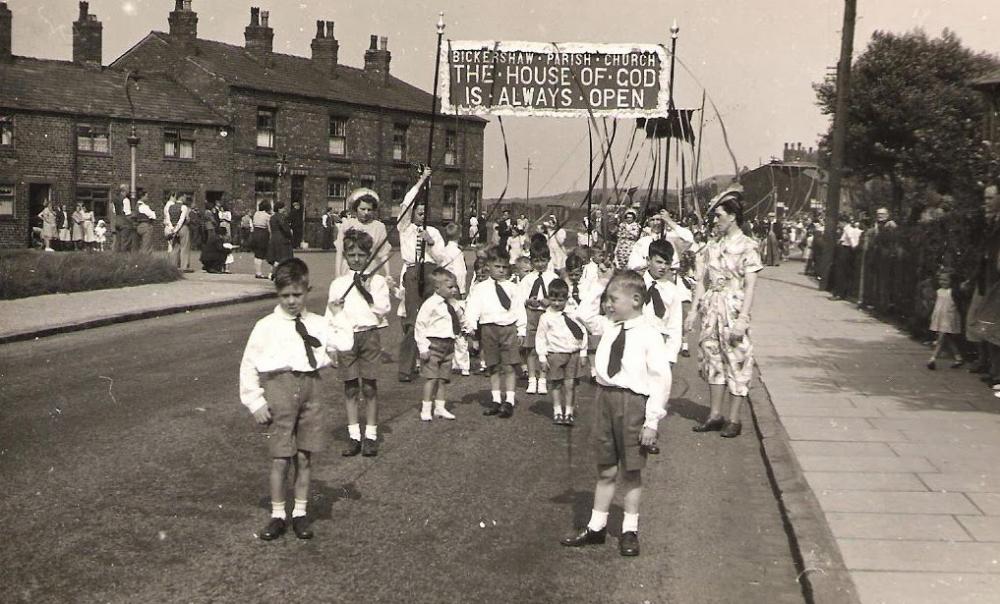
(928, 527)
(878, 464)
(989, 503)
(982, 528)
(921, 556)
(926, 588)
(864, 481)
(898, 502)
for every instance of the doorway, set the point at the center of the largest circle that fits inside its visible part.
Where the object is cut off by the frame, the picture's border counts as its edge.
(38, 194)
(297, 215)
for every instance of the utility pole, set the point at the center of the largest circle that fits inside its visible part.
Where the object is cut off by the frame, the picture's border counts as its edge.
(839, 142)
(527, 189)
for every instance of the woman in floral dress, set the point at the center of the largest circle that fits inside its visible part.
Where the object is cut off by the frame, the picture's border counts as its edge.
(628, 233)
(725, 278)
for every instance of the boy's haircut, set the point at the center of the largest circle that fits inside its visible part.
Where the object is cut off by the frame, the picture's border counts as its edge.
(574, 262)
(630, 282)
(662, 249)
(585, 252)
(524, 262)
(559, 288)
(359, 238)
(439, 274)
(291, 272)
(539, 248)
(496, 254)
(452, 231)
(479, 265)
(538, 240)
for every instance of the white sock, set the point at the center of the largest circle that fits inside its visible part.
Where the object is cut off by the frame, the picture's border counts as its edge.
(496, 396)
(569, 410)
(532, 380)
(300, 508)
(354, 431)
(598, 520)
(630, 523)
(278, 509)
(556, 409)
(371, 432)
(510, 397)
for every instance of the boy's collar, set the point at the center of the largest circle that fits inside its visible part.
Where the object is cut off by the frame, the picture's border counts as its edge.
(284, 314)
(632, 321)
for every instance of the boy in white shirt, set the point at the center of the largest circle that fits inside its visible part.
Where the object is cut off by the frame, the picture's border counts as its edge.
(664, 297)
(453, 260)
(437, 327)
(279, 384)
(495, 309)
(634, 386)
(561, 346)
(533, 290)
(366, 303)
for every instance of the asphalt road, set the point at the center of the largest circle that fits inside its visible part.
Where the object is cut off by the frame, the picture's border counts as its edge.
(131, 473)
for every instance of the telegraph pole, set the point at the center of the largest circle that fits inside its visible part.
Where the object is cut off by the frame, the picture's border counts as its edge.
(839, 142)
(527, 188)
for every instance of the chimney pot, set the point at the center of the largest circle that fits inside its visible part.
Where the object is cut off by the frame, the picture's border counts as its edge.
(329, 29)
(383, 43)
(264, 16)
(325, 48)
(374, 43)
(87, 38)
(320, 30)
(183, 21)
(84, 9)
(6, 19)
(259, 36)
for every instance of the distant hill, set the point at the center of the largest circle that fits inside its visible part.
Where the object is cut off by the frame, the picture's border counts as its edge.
(574, 199)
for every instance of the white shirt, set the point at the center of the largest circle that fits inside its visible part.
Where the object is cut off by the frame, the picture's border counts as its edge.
(671, 324)
(525, 285)
(434, 321)
(483, 307)
(589, 308)
(556, 250)
(681, 238)
(851, 236)
(643, 368)
(408, 245)
(453, 259)
(554, 335)
(275, 346)
(147, 211)
(362, 316)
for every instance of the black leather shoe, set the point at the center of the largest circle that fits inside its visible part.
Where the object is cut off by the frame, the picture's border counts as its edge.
(628, 545)
(493, 409)
(652, 449)
(685, 353)
(369, 448)
(710, 425)
(274, 529)
(301, 527)
(731, 430)
(506, 410)
(352, 449)
(405, 378)
(586, 537)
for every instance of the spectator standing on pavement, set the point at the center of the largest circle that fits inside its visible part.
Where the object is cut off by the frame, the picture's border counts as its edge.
(329, 223)
(246, 227)
(633, 388)
(214, 252)
(50, 231)
(504, 229)
(725, 281)
(178, 232)
(144, 217)
(100, 235)
(124, 227)
(289, 347)
(77, 220)
(63, 223)
(555, 237)
(473, 229)
(946, 322)
(984, 282)
(297, 221)
(260, 237)
(88, 228)
(629, 232)
(226, 222)
(279, 247)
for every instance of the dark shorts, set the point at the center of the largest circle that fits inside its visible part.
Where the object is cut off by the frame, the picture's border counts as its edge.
(533, 317)
(438, 366)
(618, 418)
(363, 361)
(563, 366)
(298, 417)
(498, 345)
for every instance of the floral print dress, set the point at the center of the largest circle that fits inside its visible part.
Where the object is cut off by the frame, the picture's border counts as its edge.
(723, 266)
(628, 234)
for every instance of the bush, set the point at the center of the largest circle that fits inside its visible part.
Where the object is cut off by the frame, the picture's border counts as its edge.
(25, 273)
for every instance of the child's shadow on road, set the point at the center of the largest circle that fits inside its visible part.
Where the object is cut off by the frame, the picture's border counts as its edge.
(581, 504)
(322, 498)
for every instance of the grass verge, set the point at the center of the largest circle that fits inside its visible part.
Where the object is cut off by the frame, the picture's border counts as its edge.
(25, 273)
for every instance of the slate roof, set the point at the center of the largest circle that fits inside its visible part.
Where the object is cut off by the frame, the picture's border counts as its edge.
(990, 79)
(65, 87)
(292, 74)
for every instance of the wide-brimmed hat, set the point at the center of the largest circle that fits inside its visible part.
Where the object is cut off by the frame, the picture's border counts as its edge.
(360, 192)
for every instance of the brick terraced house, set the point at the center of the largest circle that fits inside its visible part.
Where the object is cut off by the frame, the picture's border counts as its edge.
(312, 129)
(223, 122)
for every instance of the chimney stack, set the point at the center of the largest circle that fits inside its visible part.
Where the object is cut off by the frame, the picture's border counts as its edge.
(183, 21)
(87, 33)
(377, 59)
(259, 36)
(325, 48)
(6, 23)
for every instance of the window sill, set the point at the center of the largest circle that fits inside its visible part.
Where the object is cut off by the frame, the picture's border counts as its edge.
(92, 153)
(266, 151)
(182, 160)
(339, 158)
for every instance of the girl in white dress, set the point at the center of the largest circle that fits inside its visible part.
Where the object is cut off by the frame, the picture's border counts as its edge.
(946, 322)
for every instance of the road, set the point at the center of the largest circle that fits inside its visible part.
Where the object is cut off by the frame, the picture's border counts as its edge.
(132, 474)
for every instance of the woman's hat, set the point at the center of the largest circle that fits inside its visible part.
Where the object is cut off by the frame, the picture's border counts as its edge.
(360, 192)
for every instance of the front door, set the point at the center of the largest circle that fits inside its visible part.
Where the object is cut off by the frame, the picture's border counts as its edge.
(297, 214)
(38, 194)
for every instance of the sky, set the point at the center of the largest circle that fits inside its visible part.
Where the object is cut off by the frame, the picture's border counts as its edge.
(756, 59)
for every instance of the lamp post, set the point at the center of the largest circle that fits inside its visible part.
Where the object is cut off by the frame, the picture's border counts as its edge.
(133, 138)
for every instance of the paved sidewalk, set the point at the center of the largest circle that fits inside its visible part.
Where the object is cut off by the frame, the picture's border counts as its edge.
(56, 313)
(904, 462)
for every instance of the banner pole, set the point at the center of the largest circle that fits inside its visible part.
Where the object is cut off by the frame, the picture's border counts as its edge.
(674, 30)
(430, 152)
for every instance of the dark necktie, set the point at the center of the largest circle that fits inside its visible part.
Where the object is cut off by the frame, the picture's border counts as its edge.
(456, 325)
(308, 341)
(360, 285)
(576, 292)
(617, 352)
(539, 286)
(502, 296)
(654, 295)
(573, 327)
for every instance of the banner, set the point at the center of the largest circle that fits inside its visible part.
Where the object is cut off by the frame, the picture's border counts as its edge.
(557, 80)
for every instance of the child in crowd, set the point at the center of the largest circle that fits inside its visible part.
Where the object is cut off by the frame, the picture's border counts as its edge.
(634, 386)
(279, 384)
(101, 234)
(533, 290)
(480, 273)
(438, 326)
(573, 273)
(516, 244)
(453, 260)
(664, 297)
(560, 343)
(592, 296)
(365, 298)
(495, 309)
(521, 268)
(946, 322)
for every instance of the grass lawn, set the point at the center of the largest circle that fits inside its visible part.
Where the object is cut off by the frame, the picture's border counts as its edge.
(25, 273)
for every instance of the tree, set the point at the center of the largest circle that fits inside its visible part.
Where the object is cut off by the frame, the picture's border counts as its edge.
(913, 115)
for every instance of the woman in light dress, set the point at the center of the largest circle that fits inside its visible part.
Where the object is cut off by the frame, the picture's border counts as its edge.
(49, 230)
